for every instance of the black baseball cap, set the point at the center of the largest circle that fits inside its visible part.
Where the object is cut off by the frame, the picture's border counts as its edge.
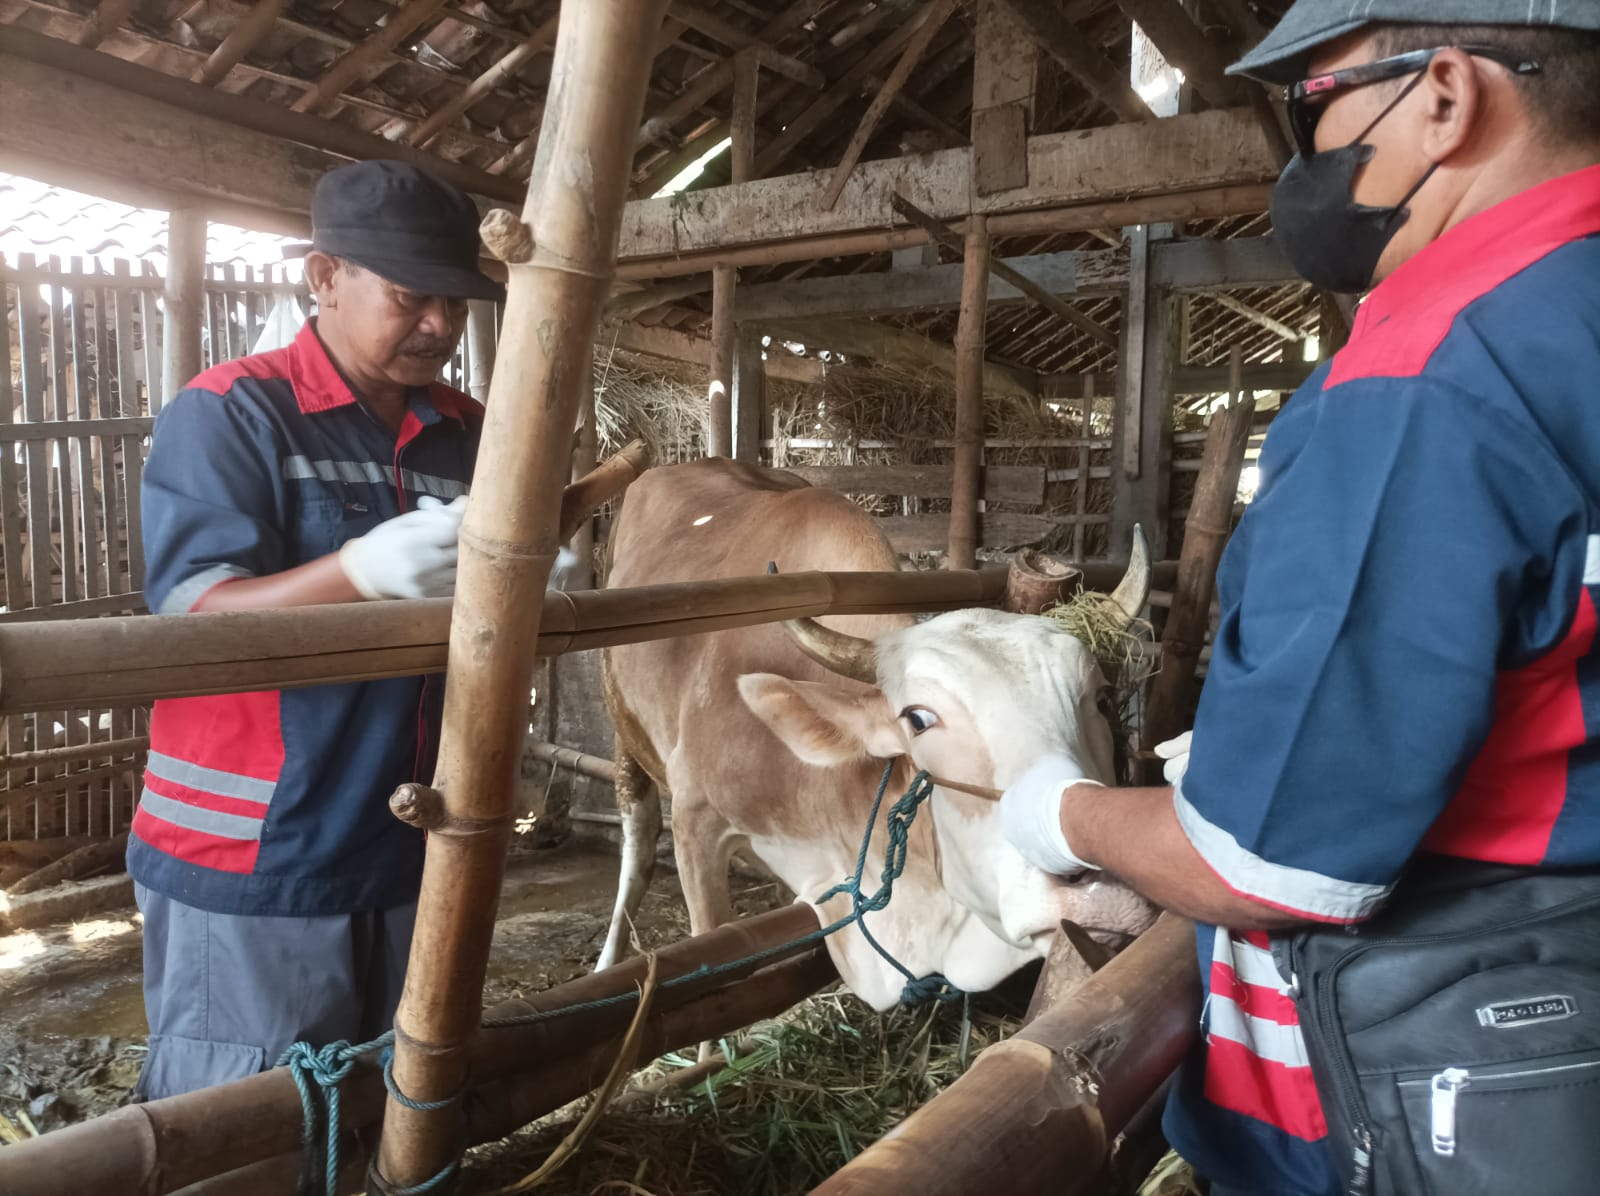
(403, 224)
(1310, 24)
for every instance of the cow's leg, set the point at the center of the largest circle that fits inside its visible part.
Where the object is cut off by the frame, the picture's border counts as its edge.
(639, 805)
(702, 843)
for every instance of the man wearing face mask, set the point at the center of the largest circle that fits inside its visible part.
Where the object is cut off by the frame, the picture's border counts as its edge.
(1405, 688)
(278, 891)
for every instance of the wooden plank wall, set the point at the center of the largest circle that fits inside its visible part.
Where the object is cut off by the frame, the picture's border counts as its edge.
(77, 400)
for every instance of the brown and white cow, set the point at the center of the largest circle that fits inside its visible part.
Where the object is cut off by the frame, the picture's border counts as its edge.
(764, 748)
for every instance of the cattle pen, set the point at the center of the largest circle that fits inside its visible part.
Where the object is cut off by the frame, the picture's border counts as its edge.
(994, 276)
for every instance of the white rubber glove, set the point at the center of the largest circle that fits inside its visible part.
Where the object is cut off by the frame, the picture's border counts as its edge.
(1030, 812)
(410, 556)
(1176, 754)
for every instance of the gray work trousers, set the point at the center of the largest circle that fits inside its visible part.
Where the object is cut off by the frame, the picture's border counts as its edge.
(225, 994)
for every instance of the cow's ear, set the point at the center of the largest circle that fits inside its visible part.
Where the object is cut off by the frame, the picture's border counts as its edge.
(824, 724)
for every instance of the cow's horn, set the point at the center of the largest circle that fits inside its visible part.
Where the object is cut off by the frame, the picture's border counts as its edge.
(1134, 589)
(848, 655)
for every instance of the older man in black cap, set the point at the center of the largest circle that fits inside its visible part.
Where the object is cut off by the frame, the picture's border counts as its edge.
(1399, 737)
(278, 891)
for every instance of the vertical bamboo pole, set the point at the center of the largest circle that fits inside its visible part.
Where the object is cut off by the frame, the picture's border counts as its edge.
(508, 543)
(186, 271)
(966, 485)
(1205, 534)
(724, 279)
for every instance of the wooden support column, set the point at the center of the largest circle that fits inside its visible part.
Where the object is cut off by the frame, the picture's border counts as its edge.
(184, 299)
(1142, 438)
(509, 538)
(480, 347)
(966, 488)
(749, 397)
(1205, 535)
(1005, 75)
(724, 279)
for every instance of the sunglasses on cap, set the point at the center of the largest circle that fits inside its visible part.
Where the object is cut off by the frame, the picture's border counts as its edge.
(1308, 98)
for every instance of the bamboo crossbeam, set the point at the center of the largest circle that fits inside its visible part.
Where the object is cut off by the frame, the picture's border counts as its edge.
(1042, 1107)
(66, 754)
(573, 760)
(109, 662)
(169, 1145)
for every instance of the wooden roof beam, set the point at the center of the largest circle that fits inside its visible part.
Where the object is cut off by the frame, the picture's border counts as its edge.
(1045, 298)
(840, 92)
(248, 30)
(937, 13)
(1260, 318)
(714, 80)
(353, 67)
(108, 18)
(697, 17)
(1081, 57)
(508, 65)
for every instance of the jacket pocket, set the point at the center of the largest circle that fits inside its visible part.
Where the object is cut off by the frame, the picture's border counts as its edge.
(1532, 1126)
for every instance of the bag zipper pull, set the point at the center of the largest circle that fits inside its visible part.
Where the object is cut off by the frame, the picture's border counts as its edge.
(1361, 1173)
(1445, 1086)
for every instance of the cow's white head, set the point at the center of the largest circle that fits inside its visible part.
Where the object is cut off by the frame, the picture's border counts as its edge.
(973, 697)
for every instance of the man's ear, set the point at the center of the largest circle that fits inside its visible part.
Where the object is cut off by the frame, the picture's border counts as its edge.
(320, 271)
(1455, 103)
(824, 724)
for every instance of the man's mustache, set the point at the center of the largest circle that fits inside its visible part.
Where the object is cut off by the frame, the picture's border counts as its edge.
(428, 347)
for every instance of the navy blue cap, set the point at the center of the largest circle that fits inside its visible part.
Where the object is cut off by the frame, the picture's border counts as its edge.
(404, 225)
(1283, 54)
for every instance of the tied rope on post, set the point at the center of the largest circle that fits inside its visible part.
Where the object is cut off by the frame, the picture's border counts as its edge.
(318, 1072)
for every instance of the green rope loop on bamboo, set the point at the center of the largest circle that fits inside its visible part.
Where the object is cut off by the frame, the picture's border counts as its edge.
(322, 1070)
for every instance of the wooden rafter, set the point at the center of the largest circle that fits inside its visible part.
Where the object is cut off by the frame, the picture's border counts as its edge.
(714, 80)
(502, 71)
(934, 17)
(1064, 42)
(999, 268)
(252, 25)
(840, 92)
(353, 67)
(108, 18)
(697, 17)
(1260, 318)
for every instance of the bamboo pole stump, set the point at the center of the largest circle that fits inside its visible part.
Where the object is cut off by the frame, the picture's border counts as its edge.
(509, 538)
(1041, 1107)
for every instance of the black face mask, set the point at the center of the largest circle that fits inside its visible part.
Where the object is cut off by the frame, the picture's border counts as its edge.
(1332, 241)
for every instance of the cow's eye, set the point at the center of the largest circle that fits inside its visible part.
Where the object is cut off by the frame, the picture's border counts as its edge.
(921, 719)
(1107, 704)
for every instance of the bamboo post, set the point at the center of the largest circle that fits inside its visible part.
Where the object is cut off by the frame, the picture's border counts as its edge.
(585, 449)
(1205, 534)
(509, 538)
(966, 487)
(185, 297)
(1042, 1107)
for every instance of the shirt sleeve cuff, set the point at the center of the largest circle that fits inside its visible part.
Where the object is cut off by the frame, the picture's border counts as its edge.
(183, 596)
(1296, 891)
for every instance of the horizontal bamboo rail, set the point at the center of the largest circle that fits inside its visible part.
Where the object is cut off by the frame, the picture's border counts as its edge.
(115, 748)
(108, 662)
(572, 759)
(254, 1125)
(1042, 1107)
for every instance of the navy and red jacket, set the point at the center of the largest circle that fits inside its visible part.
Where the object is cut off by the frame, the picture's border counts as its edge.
(1406, 658)
(277, 802)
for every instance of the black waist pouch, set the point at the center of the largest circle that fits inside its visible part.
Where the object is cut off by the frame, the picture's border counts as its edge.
(1455, 1038)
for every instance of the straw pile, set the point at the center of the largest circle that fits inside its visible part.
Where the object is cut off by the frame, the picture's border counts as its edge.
(801, 1096)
